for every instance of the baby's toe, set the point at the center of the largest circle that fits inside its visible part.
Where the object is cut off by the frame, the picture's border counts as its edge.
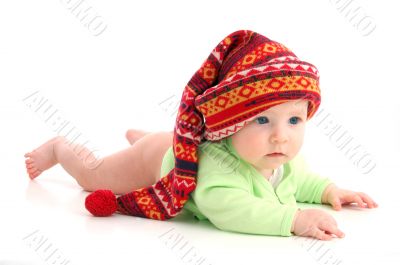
(31, 170)
(34, 174)
(29, 161)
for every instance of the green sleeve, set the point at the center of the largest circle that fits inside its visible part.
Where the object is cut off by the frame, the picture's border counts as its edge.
(226, 201)
(310, 185)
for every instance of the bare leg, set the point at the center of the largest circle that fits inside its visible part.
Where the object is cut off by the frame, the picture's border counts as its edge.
(134, 167)
(133, 135)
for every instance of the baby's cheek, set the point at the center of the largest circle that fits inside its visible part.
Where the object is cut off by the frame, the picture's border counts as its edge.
(297, 142)
(293, 151)
(252, 150)
(257, 146)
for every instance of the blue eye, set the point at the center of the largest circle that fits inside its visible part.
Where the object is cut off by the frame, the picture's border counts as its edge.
(294, 120)
(262, 120)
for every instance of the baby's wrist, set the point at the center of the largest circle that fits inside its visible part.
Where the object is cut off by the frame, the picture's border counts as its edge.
(327, 190)
(294, 220)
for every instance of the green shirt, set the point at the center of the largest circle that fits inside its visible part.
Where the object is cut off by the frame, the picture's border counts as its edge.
(235, 197)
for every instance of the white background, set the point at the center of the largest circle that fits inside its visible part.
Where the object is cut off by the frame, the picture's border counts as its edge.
(108, 83)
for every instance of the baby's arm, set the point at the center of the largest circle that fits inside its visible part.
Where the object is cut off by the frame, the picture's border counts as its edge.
(337, 197)
(227, 201)
(312, 188)
(232, 208)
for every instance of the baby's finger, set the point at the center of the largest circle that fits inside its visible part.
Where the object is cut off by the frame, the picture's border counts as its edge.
(368, 200)
(331, 229)
(321, 235)
(357, 199)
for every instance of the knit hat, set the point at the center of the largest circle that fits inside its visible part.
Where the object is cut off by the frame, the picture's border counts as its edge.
(244, 75)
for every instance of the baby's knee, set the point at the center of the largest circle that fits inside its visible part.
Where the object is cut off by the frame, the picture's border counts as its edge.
(87, 183)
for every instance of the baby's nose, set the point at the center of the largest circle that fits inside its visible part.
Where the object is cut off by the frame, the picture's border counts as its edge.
(279, 135)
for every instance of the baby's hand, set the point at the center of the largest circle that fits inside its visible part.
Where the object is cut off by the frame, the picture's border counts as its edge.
(315, 223)
(338, 197)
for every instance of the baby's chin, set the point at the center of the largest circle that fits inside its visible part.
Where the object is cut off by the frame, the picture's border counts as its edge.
(266, 166)
(274, 163)
(275, 166)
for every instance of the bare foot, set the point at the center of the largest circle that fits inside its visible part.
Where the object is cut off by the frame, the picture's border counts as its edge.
(133, 135)
(41, 158)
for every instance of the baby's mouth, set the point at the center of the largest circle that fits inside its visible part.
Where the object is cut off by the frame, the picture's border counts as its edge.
(275, 155)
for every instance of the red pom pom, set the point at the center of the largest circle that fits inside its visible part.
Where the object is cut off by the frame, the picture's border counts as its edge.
(101, 203)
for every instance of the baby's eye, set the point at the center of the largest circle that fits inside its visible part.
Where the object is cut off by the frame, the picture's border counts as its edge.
(294, 120)
(262, 120)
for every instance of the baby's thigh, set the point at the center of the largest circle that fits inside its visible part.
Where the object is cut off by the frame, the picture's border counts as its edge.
(154, 146)
(135, 167)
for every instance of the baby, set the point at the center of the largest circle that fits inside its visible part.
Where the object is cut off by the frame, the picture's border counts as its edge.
(233, 155)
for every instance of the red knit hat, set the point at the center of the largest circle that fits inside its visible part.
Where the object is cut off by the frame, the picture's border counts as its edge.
(244, 75)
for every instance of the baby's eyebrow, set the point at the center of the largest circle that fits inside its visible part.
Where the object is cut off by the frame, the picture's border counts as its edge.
(298, 112)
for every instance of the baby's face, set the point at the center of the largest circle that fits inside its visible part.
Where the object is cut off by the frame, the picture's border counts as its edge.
(279, 129)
